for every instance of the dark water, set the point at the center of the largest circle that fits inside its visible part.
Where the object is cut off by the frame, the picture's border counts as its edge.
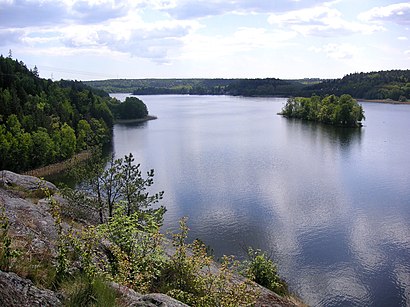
(331, 205)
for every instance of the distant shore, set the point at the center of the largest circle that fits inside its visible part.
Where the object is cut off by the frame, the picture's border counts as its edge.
(135, 120)
(387, 101)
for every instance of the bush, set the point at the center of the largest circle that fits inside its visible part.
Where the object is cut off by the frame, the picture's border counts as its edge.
(261, 269)
(188, 276)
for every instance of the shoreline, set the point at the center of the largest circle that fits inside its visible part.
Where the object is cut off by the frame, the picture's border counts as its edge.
(135, 120)
(385, 101)
(58, 167)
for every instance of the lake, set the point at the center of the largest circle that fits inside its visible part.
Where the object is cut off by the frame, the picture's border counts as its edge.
(330, 205)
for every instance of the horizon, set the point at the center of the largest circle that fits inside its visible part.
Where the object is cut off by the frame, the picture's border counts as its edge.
(93, 40)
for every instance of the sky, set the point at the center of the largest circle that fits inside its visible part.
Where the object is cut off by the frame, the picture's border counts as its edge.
(105, 39)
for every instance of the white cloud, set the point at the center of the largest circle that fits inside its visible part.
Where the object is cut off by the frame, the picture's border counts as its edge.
(397, 13)
(337, 51)
(187, 9)
(402, 38)
(95, 24)
(28, 13)
(243, 40)
(320, 21)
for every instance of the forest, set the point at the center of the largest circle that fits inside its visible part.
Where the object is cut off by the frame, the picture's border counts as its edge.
(393, 84)
(42, 122)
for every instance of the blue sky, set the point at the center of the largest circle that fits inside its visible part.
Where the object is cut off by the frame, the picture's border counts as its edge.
(101, 39)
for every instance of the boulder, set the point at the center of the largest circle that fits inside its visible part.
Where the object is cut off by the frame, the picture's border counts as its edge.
(26, 182)
(130, 298)
(20, 292)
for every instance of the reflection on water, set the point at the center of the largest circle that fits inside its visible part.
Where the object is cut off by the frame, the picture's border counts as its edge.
(330, 204)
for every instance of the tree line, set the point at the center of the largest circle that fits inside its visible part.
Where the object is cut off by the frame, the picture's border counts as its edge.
(42, 122)
(393, 84)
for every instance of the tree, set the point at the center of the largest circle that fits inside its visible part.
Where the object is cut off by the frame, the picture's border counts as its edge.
(84, 134)
(120, 181)
(43, 148)
(68, 141)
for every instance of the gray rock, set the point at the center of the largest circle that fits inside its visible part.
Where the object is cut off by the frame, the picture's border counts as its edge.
(157, 299)
(19, 292)
(130, 298)
(30, 224)
(30, 183)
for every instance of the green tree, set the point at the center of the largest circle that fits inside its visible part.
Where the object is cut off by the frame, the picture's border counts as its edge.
(84, 135)
(68, 141)
(43, 148)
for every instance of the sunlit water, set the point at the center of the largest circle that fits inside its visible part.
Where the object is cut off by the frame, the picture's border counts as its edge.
(331, 205)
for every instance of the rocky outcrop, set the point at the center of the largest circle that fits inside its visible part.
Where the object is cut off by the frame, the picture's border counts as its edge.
(32, 228)
(20, 292)
(31, 224)
(29, 183)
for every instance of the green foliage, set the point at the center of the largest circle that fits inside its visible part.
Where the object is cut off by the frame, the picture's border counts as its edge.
(164, 86)
(339, 111)
(136, 256)
(189, 277)
(39, 119)
(392, 84)
(261, 269)
(131, 108)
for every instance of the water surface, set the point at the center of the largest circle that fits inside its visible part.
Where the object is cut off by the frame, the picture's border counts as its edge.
(331, 205)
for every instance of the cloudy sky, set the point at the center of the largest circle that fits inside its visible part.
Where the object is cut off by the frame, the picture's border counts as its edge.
(100, 39)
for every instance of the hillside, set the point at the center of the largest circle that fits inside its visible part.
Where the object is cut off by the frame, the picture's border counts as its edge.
(394, 84)
(44, 122)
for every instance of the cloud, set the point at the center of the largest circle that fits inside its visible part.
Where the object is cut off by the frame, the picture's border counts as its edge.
(28, 13)
(108, 25)
(323, 21)
(187, 9)
(243, 40)
(337, 51)
(398, 13)
(154, 41)
(8, 37)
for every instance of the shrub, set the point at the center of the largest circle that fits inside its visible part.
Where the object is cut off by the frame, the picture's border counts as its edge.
(188, 276)
(261, 269)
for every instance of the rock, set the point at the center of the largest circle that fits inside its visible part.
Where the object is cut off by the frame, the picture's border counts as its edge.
(130, 298)
(19, 292)
(31, 225)
(29, 183)
(157, 299)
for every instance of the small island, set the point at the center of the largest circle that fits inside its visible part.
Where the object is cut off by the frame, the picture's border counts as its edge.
(132, 110)
(339, 111)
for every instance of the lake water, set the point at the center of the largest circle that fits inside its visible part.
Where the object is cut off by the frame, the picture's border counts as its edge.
(331, 205)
